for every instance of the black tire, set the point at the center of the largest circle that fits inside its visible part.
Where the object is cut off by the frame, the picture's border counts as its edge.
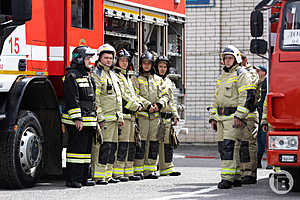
(295, 172)
(21, 153)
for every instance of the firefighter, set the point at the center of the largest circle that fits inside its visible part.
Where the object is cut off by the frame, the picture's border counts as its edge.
(261, 137)
(248, 150)
(169, 117)
(233, 98)
(123, 167)
(109, 113)
(264, 123)
(79, 117)
(265, 126)
(153, 97)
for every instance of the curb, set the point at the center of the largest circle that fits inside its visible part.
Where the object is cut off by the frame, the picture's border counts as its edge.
(201, 157)
(205, 157)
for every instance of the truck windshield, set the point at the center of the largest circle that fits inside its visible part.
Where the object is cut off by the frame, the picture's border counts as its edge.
(290, 27)
(5, 11)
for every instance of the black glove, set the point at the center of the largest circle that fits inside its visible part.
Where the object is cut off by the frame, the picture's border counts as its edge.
(213, 124)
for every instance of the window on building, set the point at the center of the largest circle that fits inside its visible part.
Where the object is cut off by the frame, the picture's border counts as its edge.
(82, 14)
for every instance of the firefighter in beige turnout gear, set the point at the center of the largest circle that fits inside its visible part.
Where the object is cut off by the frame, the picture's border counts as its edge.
(248, 150)
(123, 166)
(233, 99)
(109, 113)
(153, 97)
(169, 117)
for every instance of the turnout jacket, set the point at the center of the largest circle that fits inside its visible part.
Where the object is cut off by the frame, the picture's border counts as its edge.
(171, 106)
(234, 91)
(150, 90)
(130, 100)
(108, 94)
(79, 97)
(253, 114)
(264, 113)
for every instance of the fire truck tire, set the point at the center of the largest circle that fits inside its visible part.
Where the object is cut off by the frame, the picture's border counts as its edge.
(21, 153)
(295, 172)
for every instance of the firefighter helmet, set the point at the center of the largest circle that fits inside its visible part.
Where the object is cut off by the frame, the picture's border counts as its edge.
(106, 48)
(232, 50)
(161, 59)
(79, 53)
(147, 56)
(123, 53)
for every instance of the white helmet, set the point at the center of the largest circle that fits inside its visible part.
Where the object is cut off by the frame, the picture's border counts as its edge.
(106, 48)
(232, 50)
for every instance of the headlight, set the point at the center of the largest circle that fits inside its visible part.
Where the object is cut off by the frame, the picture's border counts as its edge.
(283, 142)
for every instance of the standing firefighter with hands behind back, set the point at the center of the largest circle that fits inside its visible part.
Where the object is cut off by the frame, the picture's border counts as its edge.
(169, 117)
(79, 117)
(233, 98)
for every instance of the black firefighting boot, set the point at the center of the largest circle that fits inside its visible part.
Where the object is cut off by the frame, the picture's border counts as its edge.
(101, 182)
(112, 180)
(151, 176)
(73, 184)
(237, 183)
(175, 174)
(134, 178)
(88, 183)
(224, 184)
(249, 180)
(123, 179)
(141, 176)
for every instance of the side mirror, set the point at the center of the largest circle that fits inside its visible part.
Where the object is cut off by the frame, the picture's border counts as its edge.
(256, 23)
(262, 4)
(258, 46)
(21, 10)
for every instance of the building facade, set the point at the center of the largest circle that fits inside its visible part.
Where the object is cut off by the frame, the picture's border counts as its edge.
(211, 25)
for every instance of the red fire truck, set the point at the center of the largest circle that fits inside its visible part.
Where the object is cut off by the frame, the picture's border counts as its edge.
(284, 89)
(36, 41)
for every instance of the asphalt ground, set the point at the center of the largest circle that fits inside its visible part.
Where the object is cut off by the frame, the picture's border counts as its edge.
(200, 175)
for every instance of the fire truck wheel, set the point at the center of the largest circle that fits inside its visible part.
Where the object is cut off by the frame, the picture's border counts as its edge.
(295, 172)
(21, 153)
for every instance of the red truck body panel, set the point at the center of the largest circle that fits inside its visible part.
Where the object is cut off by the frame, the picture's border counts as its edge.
(284, 95)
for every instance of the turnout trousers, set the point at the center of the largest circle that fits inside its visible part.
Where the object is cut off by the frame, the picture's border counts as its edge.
(166, 165)
(229, 147)
(248, 150)
(78, 156)
(146, 156)
(103, 155)
(123, 165)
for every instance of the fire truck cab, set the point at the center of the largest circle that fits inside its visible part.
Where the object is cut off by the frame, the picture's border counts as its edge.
(36, 41)
(284, 89)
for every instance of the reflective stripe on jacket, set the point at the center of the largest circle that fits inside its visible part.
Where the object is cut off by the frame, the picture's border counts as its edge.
(108, 94)
(231, 91)
(79, 97)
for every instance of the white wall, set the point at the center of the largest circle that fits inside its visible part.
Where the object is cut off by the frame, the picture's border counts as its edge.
(208, 31)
